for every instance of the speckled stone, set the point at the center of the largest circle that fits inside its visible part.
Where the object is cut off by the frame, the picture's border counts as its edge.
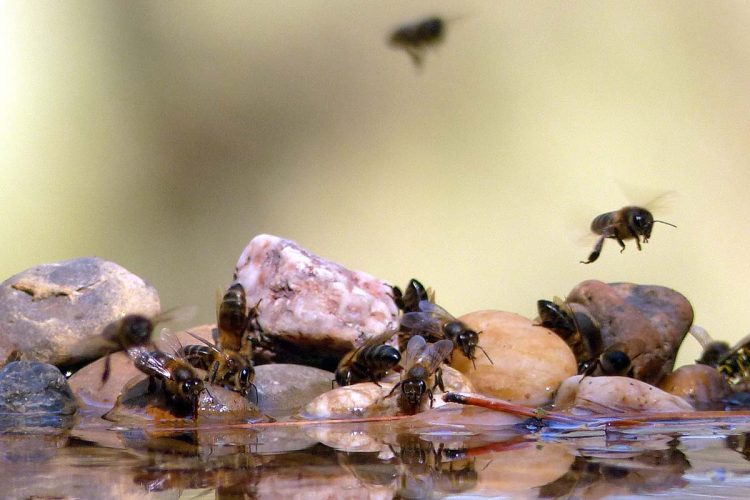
(654, 318)
(30, 387)
(615, 394)
(48, 308)
(309, 305)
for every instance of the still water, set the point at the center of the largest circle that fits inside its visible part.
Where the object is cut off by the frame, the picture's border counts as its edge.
(450, 453)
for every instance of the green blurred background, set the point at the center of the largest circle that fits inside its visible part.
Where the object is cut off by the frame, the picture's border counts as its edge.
(165, 135)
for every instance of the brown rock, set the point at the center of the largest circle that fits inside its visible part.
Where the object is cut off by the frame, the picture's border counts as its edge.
(530, 361)
(700, 385)
(650, 320)
(48, 308)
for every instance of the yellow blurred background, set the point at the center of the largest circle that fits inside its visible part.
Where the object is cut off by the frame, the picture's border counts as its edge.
(165, 135)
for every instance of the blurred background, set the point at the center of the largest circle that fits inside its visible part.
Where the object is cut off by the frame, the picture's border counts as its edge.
(164, 136)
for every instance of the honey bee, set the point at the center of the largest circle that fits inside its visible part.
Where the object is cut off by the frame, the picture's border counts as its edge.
(579, 330)
(435, 323)
(181, 383)
(126, 333)
(226, 368)
(409, 300)
(735, 365)
(421, 363)
(232, 318)
(629, 222)
(416, 37)
(369, 362)
(614, 361)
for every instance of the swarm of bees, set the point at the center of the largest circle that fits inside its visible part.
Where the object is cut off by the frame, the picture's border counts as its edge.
(627, 223)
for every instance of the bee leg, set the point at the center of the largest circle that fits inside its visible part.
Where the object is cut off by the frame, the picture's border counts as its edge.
(105, 373)
(151, 385)
(439, 380)
(596, 251)
(622, 243)
(430, 395)
(213, 372)
(393, 390)
(416, 56)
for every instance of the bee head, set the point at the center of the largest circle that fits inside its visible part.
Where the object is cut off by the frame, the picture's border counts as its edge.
(137, 329)
(192, 387)
(343, 376)
(641, 221)
(615, 362)
(413, 390)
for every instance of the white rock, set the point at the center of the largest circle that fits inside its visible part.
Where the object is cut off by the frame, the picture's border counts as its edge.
(310, 302)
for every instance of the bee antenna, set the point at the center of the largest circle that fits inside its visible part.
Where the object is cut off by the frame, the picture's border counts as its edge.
(667, 223)
(485, 354)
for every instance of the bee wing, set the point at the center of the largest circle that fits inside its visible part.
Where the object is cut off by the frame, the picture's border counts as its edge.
(434, 354)
(421, 321)
(434, 309)
(414, 349)
(179, 314)
(204, 341)
(739, 345)
(379, 339)
(658, 199)
(169, 343)
(147, 362)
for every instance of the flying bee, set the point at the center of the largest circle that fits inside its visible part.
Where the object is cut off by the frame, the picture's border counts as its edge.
(181, 383)
(409, 300)
(435, 323)
(577, 328)
(629, 222)
(369, 362)
(128, 332)
(226, 368)
(416, 37)
(421, 363)
(735, 365)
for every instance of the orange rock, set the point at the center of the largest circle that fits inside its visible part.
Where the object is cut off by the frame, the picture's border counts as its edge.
(530, 361)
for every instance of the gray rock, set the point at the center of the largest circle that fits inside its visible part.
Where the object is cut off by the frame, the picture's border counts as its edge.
(30, 387)
(284, 388)
(46, 309)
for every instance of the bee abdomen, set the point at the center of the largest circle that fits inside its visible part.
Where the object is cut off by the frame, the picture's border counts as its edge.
(198, 356)
(380, 357)
(601, 222)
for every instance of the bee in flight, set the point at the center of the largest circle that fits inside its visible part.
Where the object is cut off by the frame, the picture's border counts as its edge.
(435, 323)
(181, 383)
(409, 300)
(578, 329)
(369, 362)
(124, 334)
(421, 364)
(226, 368)
(416, 37)
(629, 222)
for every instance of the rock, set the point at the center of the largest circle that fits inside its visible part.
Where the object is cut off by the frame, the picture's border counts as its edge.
(48, 308)
(87, 382)
(312, 311)
(520, 468)
(529, 361)
(284, 388)
(649, 319)
(615, 394)
(30, 387)
(137, 405)
(700, 385)
(368, 399)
